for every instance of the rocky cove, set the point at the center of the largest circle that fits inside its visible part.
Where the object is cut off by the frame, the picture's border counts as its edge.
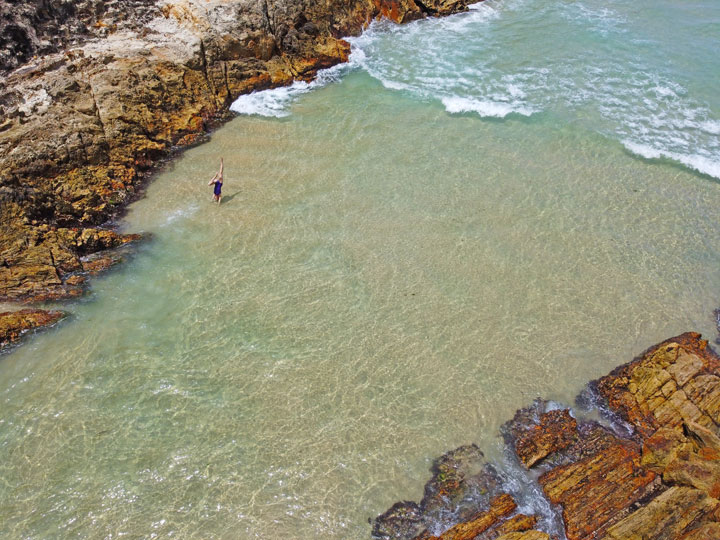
(96, 94)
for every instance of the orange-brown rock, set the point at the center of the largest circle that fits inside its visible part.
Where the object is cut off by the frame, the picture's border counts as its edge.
(500, 507)
(93, 93)
(674, 382)
(39, 262)
(99, 264)
(655, 475)
(556, 431)
(663, 447)
(13, 324)
(528, 535)
(709, 531)
(673, 513)
(598, 490)
(690, 469)
(518, 523)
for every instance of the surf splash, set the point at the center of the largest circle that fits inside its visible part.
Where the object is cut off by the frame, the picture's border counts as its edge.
(277, 101)
(511, 59)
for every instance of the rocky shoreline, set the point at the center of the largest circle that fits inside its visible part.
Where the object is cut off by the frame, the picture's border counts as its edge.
(648, 469)
(93, 95)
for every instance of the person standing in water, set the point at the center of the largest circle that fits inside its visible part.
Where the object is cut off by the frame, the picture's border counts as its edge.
(218, 181)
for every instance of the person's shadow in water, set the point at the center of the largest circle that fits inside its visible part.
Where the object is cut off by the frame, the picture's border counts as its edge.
(230, 197)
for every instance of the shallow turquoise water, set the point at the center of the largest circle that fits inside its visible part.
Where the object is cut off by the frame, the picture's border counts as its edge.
(458, 223)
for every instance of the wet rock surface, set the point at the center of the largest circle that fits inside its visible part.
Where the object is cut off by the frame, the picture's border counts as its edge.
(660, 479)
(13, 324)
(93, 94)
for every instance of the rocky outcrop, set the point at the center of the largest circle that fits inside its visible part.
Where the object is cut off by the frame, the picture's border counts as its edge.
(13, 324)
(651, 472)
(93, 94)
(100, 91)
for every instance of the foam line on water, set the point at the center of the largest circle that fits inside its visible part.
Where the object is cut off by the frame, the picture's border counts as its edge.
(495, 109)
(697, 162)
(276, 101)
(462, 62)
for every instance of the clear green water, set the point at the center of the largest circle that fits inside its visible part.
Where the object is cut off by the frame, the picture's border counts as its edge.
(385, 280)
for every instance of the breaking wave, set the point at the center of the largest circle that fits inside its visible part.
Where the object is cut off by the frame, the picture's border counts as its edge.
(480, 63)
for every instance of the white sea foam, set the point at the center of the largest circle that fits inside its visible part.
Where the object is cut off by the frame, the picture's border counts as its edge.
(275, 101)
(710, 126)
(463, 61)
(180, 213)
(494, 109)
(603, 20)
(702, 164)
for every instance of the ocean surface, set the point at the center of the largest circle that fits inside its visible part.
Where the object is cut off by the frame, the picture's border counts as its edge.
(473, 212)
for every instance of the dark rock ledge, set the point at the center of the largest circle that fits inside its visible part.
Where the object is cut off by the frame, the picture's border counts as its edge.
(93, 94)
(650, 470)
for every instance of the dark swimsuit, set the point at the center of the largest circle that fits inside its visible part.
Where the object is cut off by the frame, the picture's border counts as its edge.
(218, 188)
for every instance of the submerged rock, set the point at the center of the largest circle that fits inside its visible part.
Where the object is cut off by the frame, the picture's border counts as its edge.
(462, 482)
(403, 520)
(660, 480)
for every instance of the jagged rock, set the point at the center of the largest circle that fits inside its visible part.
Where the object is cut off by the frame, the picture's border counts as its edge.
(99, 91)
(672, 513)
(660, 482)
(13, 324)
(461, 483)
(555, 431)
(598, 490)
(529, 535)
(707, 438)
(669, 384)
(689, 469)
(662, 448)
(40, 262)
(402, 520)
(518, 523)
(500, 507)
(98, 264)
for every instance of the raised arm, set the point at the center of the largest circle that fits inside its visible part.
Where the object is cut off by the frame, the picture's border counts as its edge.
(218, 175)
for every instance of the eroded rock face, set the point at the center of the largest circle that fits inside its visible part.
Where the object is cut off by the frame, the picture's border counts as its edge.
(662, 481)
(535, 434)
(117, 85)
(500, 507)
(13, 324)
(672, 383)
(40, 27)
